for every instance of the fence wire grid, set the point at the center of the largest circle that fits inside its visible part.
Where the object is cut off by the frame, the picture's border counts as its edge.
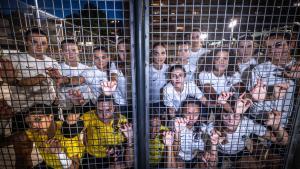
(221, 84)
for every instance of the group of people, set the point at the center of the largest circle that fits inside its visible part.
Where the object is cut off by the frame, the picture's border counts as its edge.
(228, 106)
(74, 115)
(208, 108)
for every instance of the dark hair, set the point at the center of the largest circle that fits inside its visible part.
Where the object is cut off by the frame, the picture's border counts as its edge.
(285, 35)
(183, 43)
(65, 41)
(172, 68)
(72, 130)
(105, 98)
(207, 64)
(100, 48)
(159, 44)
(247, 38)
(34, 30)
(41, 109)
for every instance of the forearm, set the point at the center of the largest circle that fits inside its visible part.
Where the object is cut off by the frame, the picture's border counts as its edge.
(171, 163)
(31, 81)
(129, 154)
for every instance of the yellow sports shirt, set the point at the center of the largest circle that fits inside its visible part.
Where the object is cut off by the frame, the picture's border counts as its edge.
(101, 135)
(157, 147)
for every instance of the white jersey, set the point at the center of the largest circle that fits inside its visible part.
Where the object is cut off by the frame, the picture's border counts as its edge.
(93, 77)
(194, 56)
(189, 144)
(244, 66)
(267, 72)
(120, 95)
(69, 71)
(172, 98)
(236, 141)
(26, 66)
(222, 83)
(157, 80)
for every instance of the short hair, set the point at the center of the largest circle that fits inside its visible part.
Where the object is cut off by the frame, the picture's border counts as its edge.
(172, 68)
(34, 30)
(100, 48)
(183, 43)
(105, 98)
(123, 41)
(190, 100)
(246, 37)
(65, 41)
(41, 109)
(284, 35)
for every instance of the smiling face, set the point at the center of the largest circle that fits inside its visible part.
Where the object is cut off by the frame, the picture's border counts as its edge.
(159, 55)
(231, 121)
(101, 59)
(105, 110)
(221, 61)
(278, 50)
(71, 53)
(246, 49)
(177, 77)
(37, 45)
(191, 111)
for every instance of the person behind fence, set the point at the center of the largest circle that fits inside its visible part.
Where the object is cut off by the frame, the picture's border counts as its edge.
(235, 129)
(219, 73)
(277, 74)
(157, 76)
(183, 58)
(109, 137)
(97, 77)
(192, 135)
(248, 57)
(59, 149)
(156, 144)
(177, 90)
(31, 76)
(72, 71)
(198, 51)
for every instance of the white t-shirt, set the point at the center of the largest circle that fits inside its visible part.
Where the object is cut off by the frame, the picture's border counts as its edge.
(120, 95)
(222, 83)
(157, 80)
(27, 66)
(172, 98)
(244, 66)
(69, 71)
(93, 77)
(194, 56)
(236, 140)
(267, 72)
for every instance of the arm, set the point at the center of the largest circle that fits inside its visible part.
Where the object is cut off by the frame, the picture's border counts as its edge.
(128, 133)
(168, 141)
(210, 92)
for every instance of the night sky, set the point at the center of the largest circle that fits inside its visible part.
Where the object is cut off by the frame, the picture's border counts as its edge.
(63, 8)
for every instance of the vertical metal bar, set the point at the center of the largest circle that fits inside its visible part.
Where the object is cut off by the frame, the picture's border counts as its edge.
(140, 118)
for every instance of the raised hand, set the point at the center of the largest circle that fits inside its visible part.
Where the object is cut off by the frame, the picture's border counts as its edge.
(242, 104)
(127, 130)
(280, 90)
(53, 73)
(274, 119)
(180, 123)
(214, 137)
(223, 97)
(259, 91)
(76, 97)
(168, 138)
(108, 87)
(294, 72)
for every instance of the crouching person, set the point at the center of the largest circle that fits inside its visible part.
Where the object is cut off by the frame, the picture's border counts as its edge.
(108, 138)
(56, 150)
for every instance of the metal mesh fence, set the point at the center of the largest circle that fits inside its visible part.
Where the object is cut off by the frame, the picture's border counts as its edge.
(222, 83)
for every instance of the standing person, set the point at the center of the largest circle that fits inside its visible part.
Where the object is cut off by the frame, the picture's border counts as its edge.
(219, 74)
(277, 74)
(178, 89)
(107, 132)
(72, 71)
(197, 46)
(120, 73)
(157, 74)
(31, 76)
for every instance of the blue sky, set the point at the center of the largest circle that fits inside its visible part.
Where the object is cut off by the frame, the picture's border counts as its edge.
(63, 8)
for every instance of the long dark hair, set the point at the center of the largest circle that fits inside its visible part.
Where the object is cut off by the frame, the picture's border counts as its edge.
(207, 64)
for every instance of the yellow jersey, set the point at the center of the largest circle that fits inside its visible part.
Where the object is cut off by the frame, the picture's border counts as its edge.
(73, 147)
(101, 135)
(157, 147)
